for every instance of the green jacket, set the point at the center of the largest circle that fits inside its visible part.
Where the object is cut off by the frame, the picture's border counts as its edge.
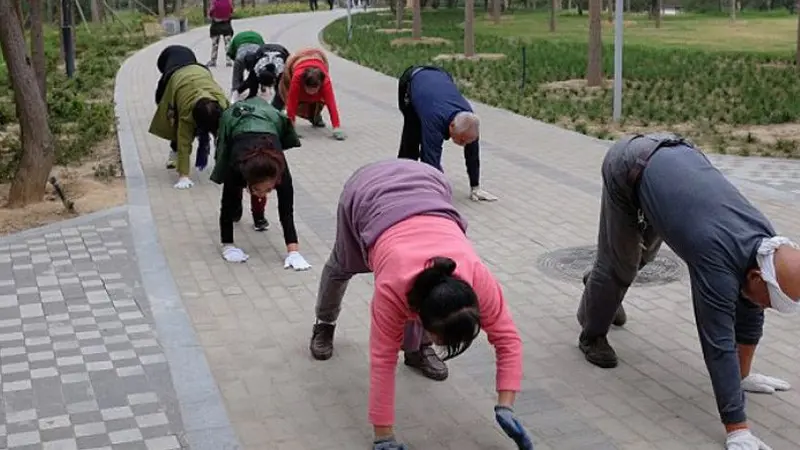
(173, 119)
(254, 115)
(245, 37)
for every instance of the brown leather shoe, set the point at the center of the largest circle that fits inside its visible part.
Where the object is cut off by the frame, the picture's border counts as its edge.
(322, 341)
(428, 363)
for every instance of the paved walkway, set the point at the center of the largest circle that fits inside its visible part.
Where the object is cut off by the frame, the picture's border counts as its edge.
(253, 320)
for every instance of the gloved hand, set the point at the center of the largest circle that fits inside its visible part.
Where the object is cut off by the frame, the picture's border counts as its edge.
(234, 254)
(387, 444)
(338, 134)
(755, 382)
(296, 261)
(508, 422)
(183, 183)
(744, 440)
(234, 96)
(479, 195)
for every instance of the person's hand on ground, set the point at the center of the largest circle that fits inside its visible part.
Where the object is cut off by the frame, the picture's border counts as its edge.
(513, 428)
(387, 444)
(234, 254)
(296, 261)
(184, 183)
(479, 195)
(755, 382)
(744, 440)
(338, 134)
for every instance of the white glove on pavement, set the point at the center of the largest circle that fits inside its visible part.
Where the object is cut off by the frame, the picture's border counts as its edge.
(183, 183)
(744, 440)
(296, 261)
(234, 254)
(755, 382)
(479, 195)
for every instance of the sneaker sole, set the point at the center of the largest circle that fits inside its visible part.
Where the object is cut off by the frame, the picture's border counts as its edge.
(602, 363)
(320, 356)
(429, 375)
(261, 228)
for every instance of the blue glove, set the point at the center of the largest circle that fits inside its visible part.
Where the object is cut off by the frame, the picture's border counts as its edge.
(508, 422)
(387, 444)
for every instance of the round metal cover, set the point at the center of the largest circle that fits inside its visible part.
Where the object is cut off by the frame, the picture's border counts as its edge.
(571, 263)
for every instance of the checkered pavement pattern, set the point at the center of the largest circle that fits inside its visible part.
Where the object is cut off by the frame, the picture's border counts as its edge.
(80, 364)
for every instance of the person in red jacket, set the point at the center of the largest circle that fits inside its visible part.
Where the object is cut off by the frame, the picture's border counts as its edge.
(307, 89)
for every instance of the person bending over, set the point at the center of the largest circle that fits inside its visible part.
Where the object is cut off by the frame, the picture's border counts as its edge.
(243, 44)
(396, 219)
(265, 69)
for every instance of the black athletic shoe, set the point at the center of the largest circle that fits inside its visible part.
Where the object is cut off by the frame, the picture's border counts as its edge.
(598, 351)
(261, 224)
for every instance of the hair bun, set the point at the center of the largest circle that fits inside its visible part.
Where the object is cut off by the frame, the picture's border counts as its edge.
(442, 265)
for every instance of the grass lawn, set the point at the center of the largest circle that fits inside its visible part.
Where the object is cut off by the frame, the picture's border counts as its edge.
(732, 88)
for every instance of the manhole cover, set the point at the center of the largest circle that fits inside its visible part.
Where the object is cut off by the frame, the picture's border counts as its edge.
(571, 263)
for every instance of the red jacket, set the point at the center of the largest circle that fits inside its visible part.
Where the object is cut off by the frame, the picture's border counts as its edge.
(298, 94)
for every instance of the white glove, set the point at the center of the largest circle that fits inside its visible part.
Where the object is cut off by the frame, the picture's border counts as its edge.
(744, 440)
(234, 96)
(479, 195)
(296, 261)
(755, 382)
(183, 183)
(234, 254)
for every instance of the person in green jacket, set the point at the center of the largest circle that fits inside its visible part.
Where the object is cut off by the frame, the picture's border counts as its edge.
(190, 104)
(242, 45)
(250, 143)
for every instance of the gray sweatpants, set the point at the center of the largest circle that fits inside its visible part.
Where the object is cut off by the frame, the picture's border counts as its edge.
(625, 243)
(237, 78)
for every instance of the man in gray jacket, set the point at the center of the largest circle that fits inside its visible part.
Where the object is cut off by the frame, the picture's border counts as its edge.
(661, 188)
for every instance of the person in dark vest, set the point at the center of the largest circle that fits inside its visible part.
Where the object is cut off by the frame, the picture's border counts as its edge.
(221, 13)
(661, 188)
(434, 111)
(189, 105)
(243, 45)
(264, 71)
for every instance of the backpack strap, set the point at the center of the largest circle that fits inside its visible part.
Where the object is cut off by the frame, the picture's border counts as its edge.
(645, 146)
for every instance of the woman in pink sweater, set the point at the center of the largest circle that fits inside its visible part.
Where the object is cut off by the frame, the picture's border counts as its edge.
(396, 219)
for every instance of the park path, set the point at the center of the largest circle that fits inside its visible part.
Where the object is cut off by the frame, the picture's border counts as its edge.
(254, 320)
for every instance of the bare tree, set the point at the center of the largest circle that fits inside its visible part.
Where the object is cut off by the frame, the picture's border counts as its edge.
(594, 70)
(38, 154)
(416, 27)
(37, 45)
(553, 5)
(469, 28)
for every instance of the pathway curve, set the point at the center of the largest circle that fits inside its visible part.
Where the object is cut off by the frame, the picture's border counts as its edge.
(253, 320)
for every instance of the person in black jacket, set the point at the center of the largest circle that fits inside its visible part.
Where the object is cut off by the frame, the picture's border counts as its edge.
(265, 68)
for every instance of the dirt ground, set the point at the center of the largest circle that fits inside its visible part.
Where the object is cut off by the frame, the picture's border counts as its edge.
(91, 186)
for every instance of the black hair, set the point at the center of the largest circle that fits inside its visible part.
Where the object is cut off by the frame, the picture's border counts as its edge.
(447, 306)
(313, 77)
(206, 114)
(267, 77)
(262, 160)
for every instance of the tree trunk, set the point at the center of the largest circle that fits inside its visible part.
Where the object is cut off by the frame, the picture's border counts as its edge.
(162, 10)
(416, 27)
(733, 10)
(496, 4)
(594, 70)
(30, 179)
(399, 10)
(37, 46)
(657, 13)
(553, 6)
(797, 51)
(469, 28)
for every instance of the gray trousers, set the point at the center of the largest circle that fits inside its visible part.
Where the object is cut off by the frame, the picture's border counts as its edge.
(237, 78)
(333, 284)
(625, 243)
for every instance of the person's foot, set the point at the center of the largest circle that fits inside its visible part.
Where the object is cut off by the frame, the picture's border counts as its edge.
(171, 160)
(229, 64)
(261, 224)
(322, 341)
(317, 122)
(211, 64)
(477, 194)
(598, 351)
(620, 317)
(428, 363)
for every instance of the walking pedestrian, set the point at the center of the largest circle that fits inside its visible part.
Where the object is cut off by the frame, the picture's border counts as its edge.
(396, 219)
(221, 14)
(189, 105)
(252, 138)
(433, 111)
(660, 188)
(307, 89)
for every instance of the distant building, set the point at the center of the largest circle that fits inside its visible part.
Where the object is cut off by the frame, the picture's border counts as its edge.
(671, 9)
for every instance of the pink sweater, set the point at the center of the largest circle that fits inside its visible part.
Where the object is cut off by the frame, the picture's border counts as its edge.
(396, 259)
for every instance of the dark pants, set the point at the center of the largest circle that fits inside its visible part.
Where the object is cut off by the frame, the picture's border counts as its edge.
(203, 148)
(330, 4)
(625, 243)
(313, 4)
(411, 138)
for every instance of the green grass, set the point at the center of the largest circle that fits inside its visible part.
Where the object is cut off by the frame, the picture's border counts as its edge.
(729, 100)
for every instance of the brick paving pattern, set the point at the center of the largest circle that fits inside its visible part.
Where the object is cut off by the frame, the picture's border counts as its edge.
(254, 320)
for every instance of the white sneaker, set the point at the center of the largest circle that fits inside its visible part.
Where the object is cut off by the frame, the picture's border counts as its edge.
(479, 195)
(171, 161)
